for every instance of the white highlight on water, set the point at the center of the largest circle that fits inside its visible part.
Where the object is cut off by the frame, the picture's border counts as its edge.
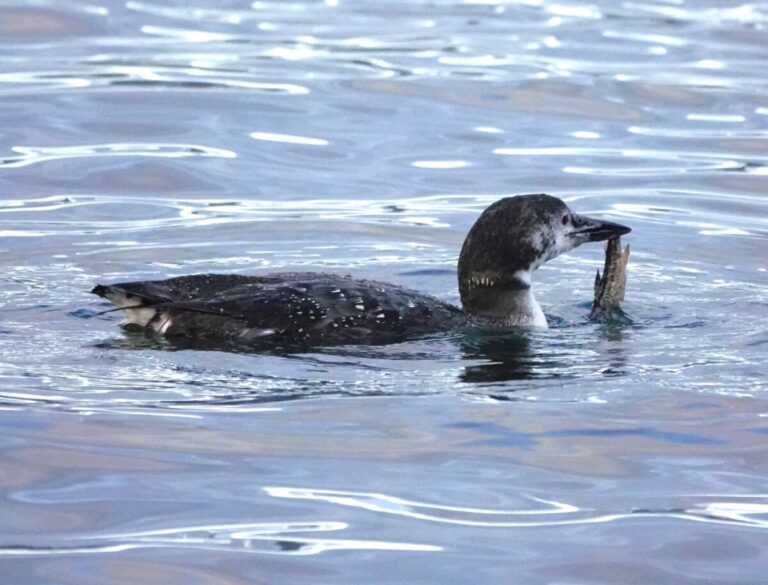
(289, 138)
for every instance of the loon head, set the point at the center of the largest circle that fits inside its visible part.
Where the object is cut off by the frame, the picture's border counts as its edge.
(511, 239)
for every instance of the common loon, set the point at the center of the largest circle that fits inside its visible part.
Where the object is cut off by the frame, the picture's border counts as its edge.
(510, 239)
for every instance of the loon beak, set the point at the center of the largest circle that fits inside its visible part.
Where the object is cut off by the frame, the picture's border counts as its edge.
(588, 229)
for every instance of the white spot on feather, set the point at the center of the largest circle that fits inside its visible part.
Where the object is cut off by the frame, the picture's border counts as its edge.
(257, 332)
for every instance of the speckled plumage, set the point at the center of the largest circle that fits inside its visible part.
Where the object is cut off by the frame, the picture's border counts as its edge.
(286, 308)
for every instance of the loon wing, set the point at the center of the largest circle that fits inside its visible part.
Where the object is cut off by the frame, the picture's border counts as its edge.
(290, 307)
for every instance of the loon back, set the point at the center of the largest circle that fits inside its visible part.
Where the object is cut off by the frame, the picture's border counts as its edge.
(287, 308)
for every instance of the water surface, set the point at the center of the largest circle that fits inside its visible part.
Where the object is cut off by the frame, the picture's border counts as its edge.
(149, 139)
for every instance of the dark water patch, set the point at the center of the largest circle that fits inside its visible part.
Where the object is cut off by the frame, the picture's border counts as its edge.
(642, 432)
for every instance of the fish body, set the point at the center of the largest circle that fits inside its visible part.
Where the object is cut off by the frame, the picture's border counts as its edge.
(611, 286)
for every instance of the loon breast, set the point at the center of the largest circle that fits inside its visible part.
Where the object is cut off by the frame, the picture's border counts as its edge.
(281, 308)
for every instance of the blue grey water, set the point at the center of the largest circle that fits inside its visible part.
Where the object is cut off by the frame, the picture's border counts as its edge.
(145, 139)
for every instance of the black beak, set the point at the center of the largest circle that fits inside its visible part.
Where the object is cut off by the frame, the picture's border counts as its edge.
(597, 230)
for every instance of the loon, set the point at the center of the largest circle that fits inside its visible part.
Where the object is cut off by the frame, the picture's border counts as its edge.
(510, 239)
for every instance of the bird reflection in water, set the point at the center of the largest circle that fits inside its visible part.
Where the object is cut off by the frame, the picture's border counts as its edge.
(560, 353)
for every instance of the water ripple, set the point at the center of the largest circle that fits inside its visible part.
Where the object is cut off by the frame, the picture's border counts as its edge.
(747, 14)
(641, 160)
(144, 213)
(260, 538)
(29, 155)
(549, 512)
(193, 13)
(141, 76)
(713, 133)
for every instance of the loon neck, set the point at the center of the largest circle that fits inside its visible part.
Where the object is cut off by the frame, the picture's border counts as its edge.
(502, 300)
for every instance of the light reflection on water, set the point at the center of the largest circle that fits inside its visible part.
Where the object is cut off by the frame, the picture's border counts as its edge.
(152, 139)
(31, 155)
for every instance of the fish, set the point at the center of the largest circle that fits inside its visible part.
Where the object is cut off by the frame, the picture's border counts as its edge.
(611, 286)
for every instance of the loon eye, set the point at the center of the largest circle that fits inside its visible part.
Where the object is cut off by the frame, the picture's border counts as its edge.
(565, 220)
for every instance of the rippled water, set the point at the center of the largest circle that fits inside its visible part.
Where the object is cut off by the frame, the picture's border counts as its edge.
(150, 139)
